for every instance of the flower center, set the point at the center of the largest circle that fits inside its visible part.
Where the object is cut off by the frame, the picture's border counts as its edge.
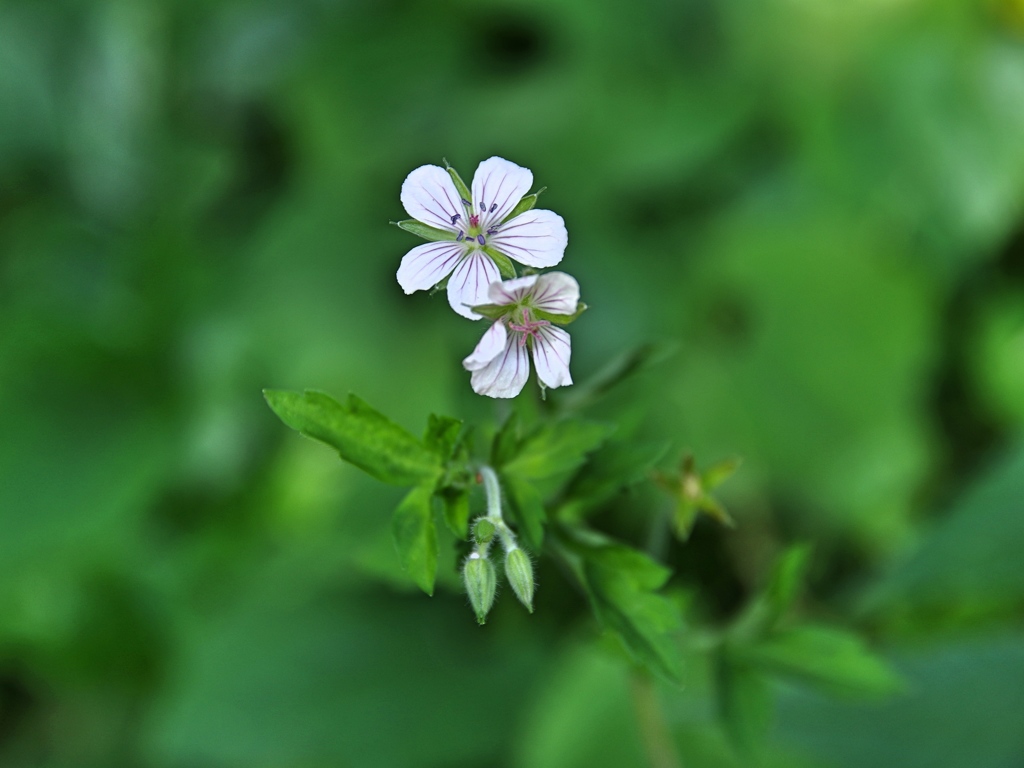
(478, 226)
(529, 328)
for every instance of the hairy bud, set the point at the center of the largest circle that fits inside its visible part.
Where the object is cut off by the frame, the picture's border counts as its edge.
(478, 575)
(519, 572)
(483, 531)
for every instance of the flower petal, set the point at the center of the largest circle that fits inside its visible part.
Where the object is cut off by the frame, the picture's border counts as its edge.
(535, 238)
(511, 291)
(498, 184)
(426, 265)
(506, 374)
(551, 352)
(468, 284)
(429, 195)
(491, 345)
(557, 293)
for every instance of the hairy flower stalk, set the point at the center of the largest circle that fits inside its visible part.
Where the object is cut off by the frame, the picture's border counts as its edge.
(478, 571)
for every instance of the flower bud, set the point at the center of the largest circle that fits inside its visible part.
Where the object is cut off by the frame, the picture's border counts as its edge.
(519, 572)
(483, 531)
(478, 575)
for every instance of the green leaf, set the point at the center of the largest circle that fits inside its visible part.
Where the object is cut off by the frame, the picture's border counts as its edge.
(528, 508)
(744, 701)
(505, 267)
(420, 229)
(455, 503)
(562, 319)
(618, 371)
(620, 583)
(609, 470)
(460, 185)
(786, 581)
(442, 435)
(412, 527)
(833, 659)
(556, 448)
(361, 435)
(506, 440)
(525, 204)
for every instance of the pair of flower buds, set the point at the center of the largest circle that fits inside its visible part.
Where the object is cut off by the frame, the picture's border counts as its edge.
(474, 235)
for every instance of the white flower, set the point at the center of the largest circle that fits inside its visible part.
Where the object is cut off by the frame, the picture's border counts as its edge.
(535, 238)
(500, 363)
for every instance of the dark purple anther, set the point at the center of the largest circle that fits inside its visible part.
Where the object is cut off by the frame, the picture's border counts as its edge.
(483, 207)
(466, 203)
(456, 217)
(461, 237)
(494, 207)
(492, 230)
(481, 239)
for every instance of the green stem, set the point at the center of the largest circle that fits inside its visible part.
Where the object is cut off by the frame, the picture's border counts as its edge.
(654, 731)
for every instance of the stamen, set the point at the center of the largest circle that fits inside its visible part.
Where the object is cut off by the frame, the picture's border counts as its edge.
(494, 207)
(483, 207)
(481, 239)
(456, 217)
(492, 231)
(466, 203)
(461, 237)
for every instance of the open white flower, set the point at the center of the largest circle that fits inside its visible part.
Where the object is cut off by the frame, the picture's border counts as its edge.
(500, 363)
(536, 238)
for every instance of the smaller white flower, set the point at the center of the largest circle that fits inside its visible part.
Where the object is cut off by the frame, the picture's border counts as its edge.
(536, 238)
(500, 363)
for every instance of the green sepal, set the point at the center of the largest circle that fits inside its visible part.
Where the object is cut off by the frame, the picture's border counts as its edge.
(561, 319)
(524, 205)
(505, 267)
(481, 583)
(718, 473)
(412, 527)
(362, 435)
(493, 311)
(420, 229)
(519, 572)
(460, 185)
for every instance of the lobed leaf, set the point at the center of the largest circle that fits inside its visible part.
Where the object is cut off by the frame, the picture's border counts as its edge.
(361, 435)
(415, 535)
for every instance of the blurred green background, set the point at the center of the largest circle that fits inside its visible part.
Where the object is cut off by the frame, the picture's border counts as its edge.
(820, 204)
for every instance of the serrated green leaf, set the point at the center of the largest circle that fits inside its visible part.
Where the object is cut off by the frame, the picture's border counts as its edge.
(412, 527)
(528, 508)
(744, 701)
(460, 185)
(501, 261)
(786, 581)
(455, 503)
(361, 435)
(609, 470)
(442, 435)
(561, 319)
(620, 583)
(506, 440)
(830, 658)
(420, 229)
(526, 203)
(556, 448)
